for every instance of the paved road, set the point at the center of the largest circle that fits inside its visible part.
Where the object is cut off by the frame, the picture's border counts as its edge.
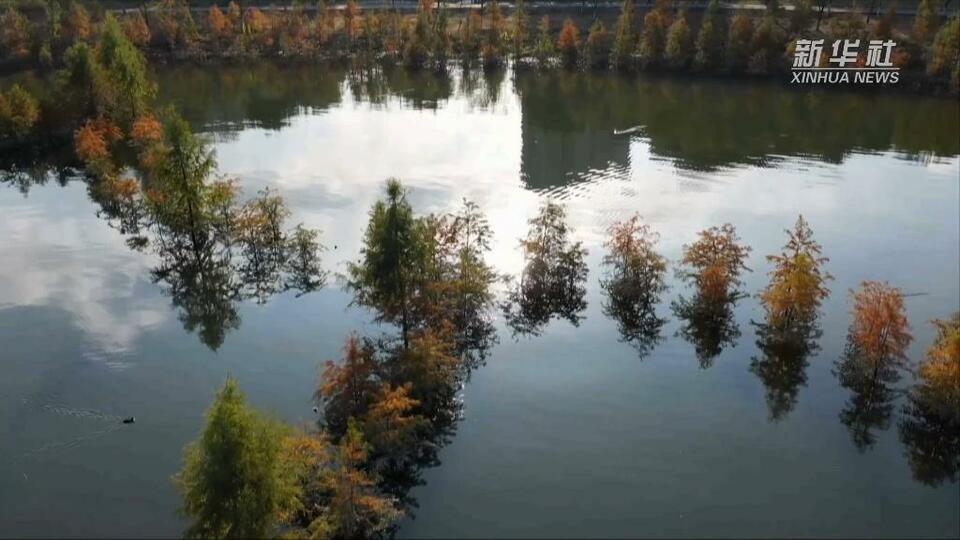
(572, 5)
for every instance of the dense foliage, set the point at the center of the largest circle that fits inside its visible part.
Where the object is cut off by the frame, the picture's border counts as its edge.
(661, 38)
(236, 480)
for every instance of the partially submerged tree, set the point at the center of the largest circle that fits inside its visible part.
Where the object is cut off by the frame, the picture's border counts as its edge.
(235, 482)
(797, 282)
(385, 277)
(940, 372)
(427, 273)
(459, 298)
(348, 388)
(355, 508)
(634, 281)
(391, 425)
(432, 371)
(876, 349)
(714, 263)
(213, 251)
(880, 330)
(930, 428)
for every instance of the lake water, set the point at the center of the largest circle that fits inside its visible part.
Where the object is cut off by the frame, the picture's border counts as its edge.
(570, 433)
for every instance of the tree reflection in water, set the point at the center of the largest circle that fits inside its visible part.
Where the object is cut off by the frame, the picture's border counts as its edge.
(871, 405)
(930, 426)
(931, 436)
(213, 251)
(553, 281)
(791, 302)
(783, 361)
(708, 324)
(637, 320)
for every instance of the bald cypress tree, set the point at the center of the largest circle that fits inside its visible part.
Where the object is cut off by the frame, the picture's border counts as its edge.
(623, 42)
(679, 48)
(235, 482)
(710, 40)
(126, 70)
(385, 277)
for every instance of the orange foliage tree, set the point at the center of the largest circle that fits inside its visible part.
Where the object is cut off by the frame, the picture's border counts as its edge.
(930, 427)
(634, 281)
(714, 263)
(355, 508)
(14, 34)
(880, 330)
(633, 261)
(259, 24)
(347, 389)
(391, 425)
(797, 282)
(92, 144)
(146, 130)
(431, 369)
(76, 25)
(654, 36)
(351, 19)
(136, 29)
(569, 43)
(220, 25)
(940, 372)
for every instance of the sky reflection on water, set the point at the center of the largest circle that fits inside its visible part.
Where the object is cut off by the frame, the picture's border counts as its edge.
(568, 433)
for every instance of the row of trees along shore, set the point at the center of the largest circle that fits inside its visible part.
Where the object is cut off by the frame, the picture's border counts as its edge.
(62, 38)
(728, 41)
(392, 401)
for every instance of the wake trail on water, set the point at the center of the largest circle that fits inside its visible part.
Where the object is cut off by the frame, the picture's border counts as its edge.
(116, 422)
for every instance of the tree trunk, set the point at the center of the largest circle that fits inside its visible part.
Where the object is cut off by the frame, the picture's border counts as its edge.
(146, 19)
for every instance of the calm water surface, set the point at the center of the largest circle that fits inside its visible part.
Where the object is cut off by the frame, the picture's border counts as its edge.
(571, 433)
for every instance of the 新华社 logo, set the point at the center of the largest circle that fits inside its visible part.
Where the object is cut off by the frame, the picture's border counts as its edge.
(845, 62)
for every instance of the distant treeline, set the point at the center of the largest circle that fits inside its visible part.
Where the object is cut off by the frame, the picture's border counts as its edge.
(665, 36)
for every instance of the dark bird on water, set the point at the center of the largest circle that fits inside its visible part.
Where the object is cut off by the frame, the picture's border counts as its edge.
(129, 420)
